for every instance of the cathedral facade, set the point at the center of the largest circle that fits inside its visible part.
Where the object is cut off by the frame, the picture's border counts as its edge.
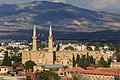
(39, 57)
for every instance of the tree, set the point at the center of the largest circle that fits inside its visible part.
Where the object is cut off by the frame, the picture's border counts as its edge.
(6, 60)
(84, 60)
(29, 65)
(77, 59)
(58, 47)
(92, 60)
(75, 78)
(16, 58)
(18, 64)
(16, 49)
(48, 75)
(109, 60)
(65, 67)
(28, 78)
(103, 62)
(74, 61)
(69, 48)
(118, 57)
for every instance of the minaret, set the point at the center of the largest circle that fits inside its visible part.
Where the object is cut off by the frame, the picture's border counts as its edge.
(34, 47)
(50, 51)
(50, 40)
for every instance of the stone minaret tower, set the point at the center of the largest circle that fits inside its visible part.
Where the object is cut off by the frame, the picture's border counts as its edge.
(50, 51)
(34, 37)
(50, 40)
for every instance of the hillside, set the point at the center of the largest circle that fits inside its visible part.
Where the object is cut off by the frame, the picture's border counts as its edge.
(63, 18)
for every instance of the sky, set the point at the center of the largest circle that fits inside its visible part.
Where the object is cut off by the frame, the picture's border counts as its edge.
(110, 5)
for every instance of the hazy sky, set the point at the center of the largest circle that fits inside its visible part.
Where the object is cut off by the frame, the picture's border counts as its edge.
(90, 4)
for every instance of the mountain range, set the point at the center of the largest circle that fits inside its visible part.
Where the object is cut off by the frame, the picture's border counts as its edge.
(64, 18)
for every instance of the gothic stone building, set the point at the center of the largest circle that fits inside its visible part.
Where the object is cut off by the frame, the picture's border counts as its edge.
(39, 57)
(62, 57)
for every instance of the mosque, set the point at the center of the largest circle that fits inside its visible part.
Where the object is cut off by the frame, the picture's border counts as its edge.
(39, 57)
(42, 57)
(61, 58)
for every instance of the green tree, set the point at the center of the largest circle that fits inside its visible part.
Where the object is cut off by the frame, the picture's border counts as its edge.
(65, 67)
(118, 57)
(92, 60)
(48, 75)
(18, 64)
(29, 65)
(84, 60)
(16, 49)
(109, 60)
(58, 47)
(87, 58)
(69, 48)
(16, 58)
(77, 59)
(28, 78)
(75, 78)
(103, 62)
(6, 60)
(74, 61)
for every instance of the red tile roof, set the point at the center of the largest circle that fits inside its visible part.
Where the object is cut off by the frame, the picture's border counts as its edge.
(4, 66)
(97, 71)
(77, 68)
(29, 74)
(102, 72)
(74, 69)
(90, 67)
(18, 69)
(21, 78)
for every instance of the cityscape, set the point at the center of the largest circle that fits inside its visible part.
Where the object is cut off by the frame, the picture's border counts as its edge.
(59, 40)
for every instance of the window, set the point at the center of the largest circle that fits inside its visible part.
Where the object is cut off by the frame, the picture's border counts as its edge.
(0, 69)
(5, 69)
(67, 62)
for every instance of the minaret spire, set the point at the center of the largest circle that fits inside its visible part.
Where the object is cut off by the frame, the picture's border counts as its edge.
(50, 51)
(50, 40)
(34, 47)
(50, 31)
(34, 31)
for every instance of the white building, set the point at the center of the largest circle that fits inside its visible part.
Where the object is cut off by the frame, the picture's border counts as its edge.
(4, 69)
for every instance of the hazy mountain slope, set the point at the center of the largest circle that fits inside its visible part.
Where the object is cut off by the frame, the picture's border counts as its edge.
(63, 18)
